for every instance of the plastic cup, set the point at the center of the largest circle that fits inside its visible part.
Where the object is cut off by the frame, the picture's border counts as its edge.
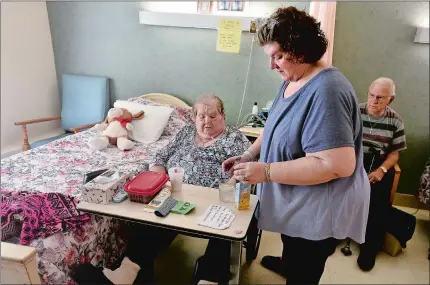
(226, 192)
(176, 175)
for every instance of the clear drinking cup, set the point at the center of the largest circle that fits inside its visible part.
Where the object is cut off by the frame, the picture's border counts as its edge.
(176, 175)
(226, 192)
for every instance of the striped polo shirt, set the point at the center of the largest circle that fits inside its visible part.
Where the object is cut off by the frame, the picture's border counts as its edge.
(385, 134)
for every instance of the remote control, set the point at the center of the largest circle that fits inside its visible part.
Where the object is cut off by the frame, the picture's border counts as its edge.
(120, 196)
(107, 177)
(158, 201)
(168, 205)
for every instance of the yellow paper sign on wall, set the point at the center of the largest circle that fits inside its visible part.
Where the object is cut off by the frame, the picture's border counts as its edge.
(228, 41)
(229, 35)
(229, 24)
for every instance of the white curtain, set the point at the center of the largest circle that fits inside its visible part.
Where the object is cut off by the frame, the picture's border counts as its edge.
(325, 13)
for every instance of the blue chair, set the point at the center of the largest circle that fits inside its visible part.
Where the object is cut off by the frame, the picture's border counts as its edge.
(85, 102)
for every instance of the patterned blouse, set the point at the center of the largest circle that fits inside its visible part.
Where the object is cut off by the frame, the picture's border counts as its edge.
(202, 165)
(424, 192)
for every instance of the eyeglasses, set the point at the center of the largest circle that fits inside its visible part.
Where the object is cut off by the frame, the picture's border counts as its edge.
(377, 98)
(185, 206)
(209, 118)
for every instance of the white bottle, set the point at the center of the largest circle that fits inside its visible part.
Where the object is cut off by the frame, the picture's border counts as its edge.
(255, 109)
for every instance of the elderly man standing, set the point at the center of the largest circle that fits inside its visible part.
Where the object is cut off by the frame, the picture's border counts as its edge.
(383, 138)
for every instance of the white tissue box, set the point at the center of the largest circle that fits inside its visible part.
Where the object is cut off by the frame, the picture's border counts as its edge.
(102, 193)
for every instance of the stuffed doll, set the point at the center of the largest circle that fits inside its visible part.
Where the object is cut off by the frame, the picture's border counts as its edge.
(114, 130)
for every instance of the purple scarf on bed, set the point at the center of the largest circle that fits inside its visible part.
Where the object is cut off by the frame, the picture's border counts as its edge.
(41, 214)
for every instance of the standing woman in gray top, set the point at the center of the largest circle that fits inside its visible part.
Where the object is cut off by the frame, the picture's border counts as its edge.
(312, 186)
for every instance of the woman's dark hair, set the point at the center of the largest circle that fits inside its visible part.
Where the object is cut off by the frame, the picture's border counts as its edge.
(296, 32)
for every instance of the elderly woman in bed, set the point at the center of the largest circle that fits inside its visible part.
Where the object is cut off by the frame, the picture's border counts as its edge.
(201, 148)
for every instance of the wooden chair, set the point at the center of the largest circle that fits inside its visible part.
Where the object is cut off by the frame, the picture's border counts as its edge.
(397, 172)
(346, 250)
(85, 102)
(26, 144)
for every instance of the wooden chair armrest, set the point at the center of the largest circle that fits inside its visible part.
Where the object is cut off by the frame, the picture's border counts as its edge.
(37, 121)
(23, 124)
(395, 183)
(83, 127)
(397, 168)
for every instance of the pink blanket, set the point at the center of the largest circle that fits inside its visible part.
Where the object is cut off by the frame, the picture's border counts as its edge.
(41, 215)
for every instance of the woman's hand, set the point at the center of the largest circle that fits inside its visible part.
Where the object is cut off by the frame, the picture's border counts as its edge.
(158, 168)
(230, 163)
(250, 172)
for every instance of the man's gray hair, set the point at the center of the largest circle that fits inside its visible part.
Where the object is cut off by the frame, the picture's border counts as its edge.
(386, 81)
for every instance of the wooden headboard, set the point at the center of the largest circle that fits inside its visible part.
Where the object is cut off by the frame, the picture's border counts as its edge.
(166, 99)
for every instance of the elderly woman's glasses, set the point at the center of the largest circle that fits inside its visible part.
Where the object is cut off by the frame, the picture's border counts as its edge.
(209, 118)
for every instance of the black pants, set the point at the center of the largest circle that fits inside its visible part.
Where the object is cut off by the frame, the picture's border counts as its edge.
(146, 242)
(305, 259)
(144, 245)
(379, 205)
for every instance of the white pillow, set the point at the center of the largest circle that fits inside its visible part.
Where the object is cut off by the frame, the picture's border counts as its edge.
(151, 127)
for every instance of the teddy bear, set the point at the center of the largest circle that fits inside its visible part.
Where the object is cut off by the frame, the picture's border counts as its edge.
(114, 130)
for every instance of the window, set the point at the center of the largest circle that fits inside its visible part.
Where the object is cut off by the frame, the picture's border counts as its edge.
(204, 7)
(237, 6)
(219, 7)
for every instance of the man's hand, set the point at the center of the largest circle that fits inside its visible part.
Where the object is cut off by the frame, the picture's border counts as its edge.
(376, 176)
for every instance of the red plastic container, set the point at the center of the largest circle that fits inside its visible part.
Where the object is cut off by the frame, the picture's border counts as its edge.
(145, 186)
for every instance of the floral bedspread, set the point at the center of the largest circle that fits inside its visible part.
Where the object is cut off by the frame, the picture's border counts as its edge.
(58, 167)
(424, 191)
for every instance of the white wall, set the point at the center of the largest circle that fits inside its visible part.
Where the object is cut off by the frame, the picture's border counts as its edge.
(29, 87)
